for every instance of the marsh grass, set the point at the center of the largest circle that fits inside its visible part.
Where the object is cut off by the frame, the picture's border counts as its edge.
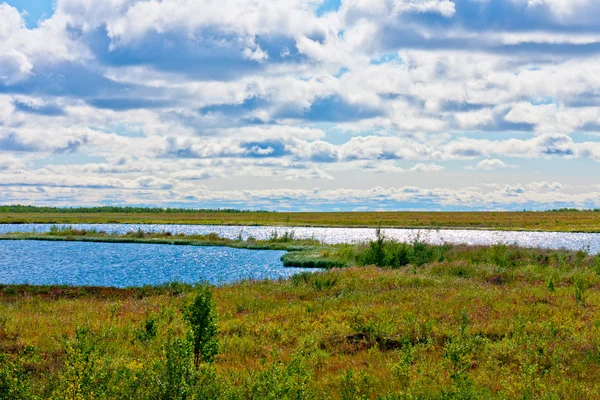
(431, 322)
(561, 220)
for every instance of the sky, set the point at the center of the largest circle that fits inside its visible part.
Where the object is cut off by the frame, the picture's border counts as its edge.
(303, 105)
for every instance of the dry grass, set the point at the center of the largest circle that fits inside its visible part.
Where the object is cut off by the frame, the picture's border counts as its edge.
(585, 221)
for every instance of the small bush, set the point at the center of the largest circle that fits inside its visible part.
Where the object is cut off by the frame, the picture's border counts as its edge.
(176, 374)
(201, 317)
(148, 330)
(359, 386)
(14, 382)
(82, 376)
(283, 381)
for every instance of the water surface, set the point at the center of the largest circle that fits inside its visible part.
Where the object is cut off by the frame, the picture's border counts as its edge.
(133, 264)
(550, 240)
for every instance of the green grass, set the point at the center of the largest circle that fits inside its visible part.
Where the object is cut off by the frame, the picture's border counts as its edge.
(560, 221)
(431, 322)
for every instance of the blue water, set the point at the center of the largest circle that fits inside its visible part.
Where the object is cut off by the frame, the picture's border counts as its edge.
(548, 240)
(133, 264)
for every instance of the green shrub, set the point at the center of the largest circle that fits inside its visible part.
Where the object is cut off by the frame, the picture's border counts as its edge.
(14, 382)
(579, 286)
(596, 264)
(83, 376)
(356, 387)
(176, 374)
(200, 315)
(317, 281)
(283, 381)
(397, 255)
(148, 330)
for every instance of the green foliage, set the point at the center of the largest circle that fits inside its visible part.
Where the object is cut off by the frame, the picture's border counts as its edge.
(596, 264)
(176, 373)
(579, 286)
(459, 352)
(82, 376)
(281, 381)
(14, 382)
(315, 280)
(286, 237)
(551, 286)
(386, 253)
(402, 369)
(504, 256)
(356, 386)
(201, 317)
(148, 330)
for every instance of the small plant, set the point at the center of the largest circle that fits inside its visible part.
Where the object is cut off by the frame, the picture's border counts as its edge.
(14, 382)
(377, 248)
(596, 264)
(82, 374)
(201, 317)
(402, 368)
(551, 286)
(148, 330)
(287, 236)
(176, 374)
(359, 386)
(579, 286)
(281, 381)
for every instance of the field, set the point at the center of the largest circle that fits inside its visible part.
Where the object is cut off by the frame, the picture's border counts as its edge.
(409, 321)
(582, 221)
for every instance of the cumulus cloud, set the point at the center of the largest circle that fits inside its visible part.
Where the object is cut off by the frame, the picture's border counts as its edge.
(491, 164)
(163, 102)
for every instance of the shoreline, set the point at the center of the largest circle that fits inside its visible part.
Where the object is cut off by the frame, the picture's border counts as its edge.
(399, 227)
(530, 221)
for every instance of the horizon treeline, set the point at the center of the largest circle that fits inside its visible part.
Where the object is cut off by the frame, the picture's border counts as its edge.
(116, 209)
(18, 208)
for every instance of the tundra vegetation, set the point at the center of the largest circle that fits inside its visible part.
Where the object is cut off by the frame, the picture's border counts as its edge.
(389, 320)
(562, 220)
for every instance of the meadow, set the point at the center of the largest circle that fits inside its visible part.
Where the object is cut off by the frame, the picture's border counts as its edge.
(393, 321)
(559, 220)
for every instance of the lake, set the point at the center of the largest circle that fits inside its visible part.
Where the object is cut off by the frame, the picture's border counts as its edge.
(550, 240)
(133, 264)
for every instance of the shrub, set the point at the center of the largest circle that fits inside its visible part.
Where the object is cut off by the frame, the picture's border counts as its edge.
(397, 255)
(283, 382)
(579, 286)
(82, 375)
(13, 379)
(201, 317)
(148, 330)
(354, 387)
(176, 374)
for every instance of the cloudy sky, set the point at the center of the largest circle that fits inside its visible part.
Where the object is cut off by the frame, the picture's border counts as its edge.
(301, 104)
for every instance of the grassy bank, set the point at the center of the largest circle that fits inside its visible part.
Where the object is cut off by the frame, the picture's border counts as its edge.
(565, 221)
(430, 322)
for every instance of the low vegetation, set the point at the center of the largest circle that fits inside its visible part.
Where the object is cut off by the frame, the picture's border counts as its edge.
(563, 220)
(408, 321)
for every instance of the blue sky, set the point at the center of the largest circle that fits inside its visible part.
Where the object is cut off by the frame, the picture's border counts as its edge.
(301, 105)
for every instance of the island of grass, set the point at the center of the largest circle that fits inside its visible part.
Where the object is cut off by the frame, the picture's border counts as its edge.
(564, 220)
(388, 320)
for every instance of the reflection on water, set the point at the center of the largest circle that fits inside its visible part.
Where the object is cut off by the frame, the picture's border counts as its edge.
(551, 240)
(131, 264)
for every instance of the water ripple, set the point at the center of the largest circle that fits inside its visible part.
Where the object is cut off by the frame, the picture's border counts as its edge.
(133, 264)
(550, 240)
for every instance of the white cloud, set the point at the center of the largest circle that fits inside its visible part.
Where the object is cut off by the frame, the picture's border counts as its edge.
(491, 164)
(178, 100)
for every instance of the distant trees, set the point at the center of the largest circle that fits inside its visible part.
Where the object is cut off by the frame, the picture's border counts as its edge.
(113, 209)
